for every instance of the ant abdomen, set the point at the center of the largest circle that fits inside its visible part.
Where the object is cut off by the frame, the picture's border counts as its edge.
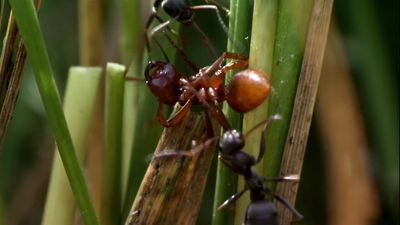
(247, 90)
(163, 81)
(261, 212)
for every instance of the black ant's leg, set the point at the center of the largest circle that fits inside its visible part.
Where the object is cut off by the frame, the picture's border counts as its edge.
(192, 152)
(207, 41)
(220, 20)
(290, 178)
(147, 26)
(227, 11)
(284, 202)
(232, 199)
(182, 53)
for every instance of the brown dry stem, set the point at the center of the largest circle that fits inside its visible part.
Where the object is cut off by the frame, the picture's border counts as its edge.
(296, 141)
(172, 189)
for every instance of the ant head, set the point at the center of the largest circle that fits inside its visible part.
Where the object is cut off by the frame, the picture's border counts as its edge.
(261, 212)
(179, 10)
(247, 90)
(163, 80)
(231, 141)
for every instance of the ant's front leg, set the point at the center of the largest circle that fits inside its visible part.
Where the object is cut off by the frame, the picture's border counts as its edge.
(232, 199)
(176, 118)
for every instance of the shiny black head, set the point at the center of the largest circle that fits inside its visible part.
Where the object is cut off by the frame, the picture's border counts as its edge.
(261, 213)
(232, 141)
(179, 10)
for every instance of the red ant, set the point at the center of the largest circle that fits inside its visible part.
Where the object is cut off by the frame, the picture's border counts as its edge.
(246, 90)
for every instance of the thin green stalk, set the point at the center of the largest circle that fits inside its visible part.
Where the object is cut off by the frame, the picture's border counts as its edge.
(111, 188)
(261, 52)
(132, 52)
(29, 28)
(291, 32)
(79, 100)
(226, 184)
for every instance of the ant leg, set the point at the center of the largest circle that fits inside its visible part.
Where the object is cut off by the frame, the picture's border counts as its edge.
(284, 202)
(227, 11)
(213, 109)
(220, 20)
(175, 119)
(182, 53)
(192, 152)
(207, 42)
(232, 199)
(290, 178)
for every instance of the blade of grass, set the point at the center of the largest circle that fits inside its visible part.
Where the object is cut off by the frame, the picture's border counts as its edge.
(239, 31)
(80, 96)
(29, 28)
(291, 31)
(111, 188)
(261, 52)
(132, 53)
(296, 140)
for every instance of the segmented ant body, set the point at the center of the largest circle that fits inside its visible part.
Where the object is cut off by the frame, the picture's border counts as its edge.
(184, 13)
(261, 210)
(246, 90)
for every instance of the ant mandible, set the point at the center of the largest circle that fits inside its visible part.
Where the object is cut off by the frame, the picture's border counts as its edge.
(247, 89)
(184, 13)
(260, 211)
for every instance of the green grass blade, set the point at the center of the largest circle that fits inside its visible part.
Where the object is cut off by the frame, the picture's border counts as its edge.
(29, 28)
(111, 189)
(132, 53)
(261, 52)
(226, 184)
(291, 31)
(80, 96)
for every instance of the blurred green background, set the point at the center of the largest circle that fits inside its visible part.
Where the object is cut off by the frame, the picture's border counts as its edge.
(369, 30)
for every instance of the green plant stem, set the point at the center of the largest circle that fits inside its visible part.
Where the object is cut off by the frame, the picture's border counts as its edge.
(226, 184)
(29, 28)
(261, 52)
(80, 96)
(291, 32)
(111, 188)
(132, 53)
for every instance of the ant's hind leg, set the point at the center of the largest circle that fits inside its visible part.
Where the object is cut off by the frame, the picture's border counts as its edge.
(283, 201)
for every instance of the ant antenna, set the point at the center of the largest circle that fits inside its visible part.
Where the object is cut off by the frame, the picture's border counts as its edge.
(264, 122)
(220, 20)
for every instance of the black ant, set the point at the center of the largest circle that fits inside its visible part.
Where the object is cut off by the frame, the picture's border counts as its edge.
(246, 90)
(260, 211)
(184, 13)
